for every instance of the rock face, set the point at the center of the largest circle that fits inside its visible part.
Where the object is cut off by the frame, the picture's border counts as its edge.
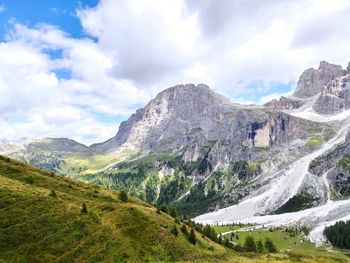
(285, 103)
(177, 110)
(188, 118)
(335, 96)
(336, 165)
(326, 90)
(312, 80)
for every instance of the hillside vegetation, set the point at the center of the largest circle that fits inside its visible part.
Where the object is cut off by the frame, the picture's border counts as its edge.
(41, 220)
(49, 218)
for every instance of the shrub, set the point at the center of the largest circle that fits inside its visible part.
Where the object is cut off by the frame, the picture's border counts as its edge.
(123, 196)
(84, 209)
(270, 246)
(53, 194)
(29, 180)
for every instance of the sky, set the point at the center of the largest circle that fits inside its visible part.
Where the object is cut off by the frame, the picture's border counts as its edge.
(77, 69)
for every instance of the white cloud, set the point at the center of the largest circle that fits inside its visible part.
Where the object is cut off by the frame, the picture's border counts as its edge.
(242, 49)
(2, 8)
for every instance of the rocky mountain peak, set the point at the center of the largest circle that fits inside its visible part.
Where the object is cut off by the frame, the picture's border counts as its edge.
(187, 95)
(313, 80)
(329, 67)
(175, 110)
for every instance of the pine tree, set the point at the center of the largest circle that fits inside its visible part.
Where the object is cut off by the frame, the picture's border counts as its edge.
(270, 246)
(249, 244)
(220, 240)
(123, 196)
(84, 209)
(174, 231)
(164, 208)
(227, 243)
(260, 247)
(173, 212)
(238, 248)
(192, 237)
(184, 229)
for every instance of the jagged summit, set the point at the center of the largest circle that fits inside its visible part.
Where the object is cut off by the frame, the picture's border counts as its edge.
(313, 80)
(324, 90)
(175, 110)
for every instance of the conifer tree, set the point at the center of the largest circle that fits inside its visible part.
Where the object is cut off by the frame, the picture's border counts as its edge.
(270, 246)
(192, 237)
(184, 229)
(173, 212)
(249, 244)
(123, 196)
(227, 243)
(260, 247)
(164, 208)
(174, 231)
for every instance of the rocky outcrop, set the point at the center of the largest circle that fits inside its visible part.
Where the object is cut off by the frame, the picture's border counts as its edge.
(312, 80)
(336, 163)
(284, 103)
(335, 97)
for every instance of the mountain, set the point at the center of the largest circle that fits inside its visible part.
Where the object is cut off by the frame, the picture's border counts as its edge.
(194, 145)
(48, 153)
(223, 162)
(325, 90)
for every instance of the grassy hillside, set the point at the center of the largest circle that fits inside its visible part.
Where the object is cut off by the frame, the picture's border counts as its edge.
(41, 220)
(37, 225)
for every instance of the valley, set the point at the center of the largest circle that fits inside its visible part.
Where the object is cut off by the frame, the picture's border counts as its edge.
(279, 165)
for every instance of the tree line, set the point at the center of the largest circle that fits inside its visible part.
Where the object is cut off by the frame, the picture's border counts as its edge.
(339, 234)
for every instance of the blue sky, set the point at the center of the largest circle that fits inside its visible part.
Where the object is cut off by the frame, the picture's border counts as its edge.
(78, 68)
(56, 12)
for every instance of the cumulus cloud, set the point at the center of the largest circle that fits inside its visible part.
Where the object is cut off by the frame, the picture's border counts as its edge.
(130, 50)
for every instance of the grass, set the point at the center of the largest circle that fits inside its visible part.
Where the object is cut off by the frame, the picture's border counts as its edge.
(86, 164)
(36, 226)
(296, 246)
(314, 142)
(222, 229)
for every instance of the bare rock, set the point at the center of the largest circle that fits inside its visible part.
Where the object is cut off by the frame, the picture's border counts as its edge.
(312, 80)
